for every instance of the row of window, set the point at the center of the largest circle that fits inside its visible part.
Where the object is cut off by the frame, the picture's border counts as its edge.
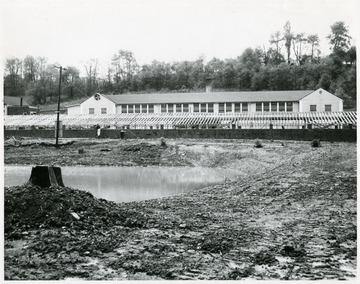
(209, 108)
(274, 107)
(238, 107)
(92, 110)
(186, 108)
(327, 108)
(144, 108)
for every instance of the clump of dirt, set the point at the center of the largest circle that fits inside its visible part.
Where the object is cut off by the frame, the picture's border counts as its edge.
(292, 252)
(31, 207)
(141, 147)
(265, 257)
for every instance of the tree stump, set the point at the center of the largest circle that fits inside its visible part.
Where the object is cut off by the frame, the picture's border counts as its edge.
(45, 176)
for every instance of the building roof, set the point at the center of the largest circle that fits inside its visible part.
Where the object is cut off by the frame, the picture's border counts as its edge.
(63, 105)
(14, 101)
(213, 97)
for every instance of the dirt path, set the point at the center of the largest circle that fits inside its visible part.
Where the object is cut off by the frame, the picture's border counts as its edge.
(290, 215)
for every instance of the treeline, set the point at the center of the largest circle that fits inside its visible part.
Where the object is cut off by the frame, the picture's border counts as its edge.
(292, 62)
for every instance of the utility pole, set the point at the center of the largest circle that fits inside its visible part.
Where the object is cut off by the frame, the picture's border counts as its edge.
(58, 108)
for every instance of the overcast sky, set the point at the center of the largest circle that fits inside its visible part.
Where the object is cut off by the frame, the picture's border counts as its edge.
(70, 32)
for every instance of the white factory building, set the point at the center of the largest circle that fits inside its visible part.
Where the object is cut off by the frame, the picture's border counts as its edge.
(319, 100)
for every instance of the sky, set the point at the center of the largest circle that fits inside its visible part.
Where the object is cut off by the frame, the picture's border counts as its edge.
(70, 32)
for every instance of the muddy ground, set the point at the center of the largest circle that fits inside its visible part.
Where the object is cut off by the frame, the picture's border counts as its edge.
(290, 215)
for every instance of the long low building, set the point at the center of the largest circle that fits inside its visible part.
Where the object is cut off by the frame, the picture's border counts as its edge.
(319, 100)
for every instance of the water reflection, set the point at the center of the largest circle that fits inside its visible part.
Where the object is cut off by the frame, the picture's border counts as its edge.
(124, 184)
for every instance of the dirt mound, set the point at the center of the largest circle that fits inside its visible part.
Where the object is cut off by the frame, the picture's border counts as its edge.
(31, 207)
(142, 147)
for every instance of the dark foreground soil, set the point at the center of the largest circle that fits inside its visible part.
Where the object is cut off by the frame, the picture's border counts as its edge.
(290, 215)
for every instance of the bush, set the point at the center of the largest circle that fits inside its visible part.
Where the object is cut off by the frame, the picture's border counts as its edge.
(162, 141)
(315, 143)
(258, 144)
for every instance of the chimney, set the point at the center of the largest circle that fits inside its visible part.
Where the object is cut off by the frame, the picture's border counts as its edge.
(208, 88)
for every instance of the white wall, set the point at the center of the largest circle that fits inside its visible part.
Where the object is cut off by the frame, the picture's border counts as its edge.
(252, 107)
(295, 107)
(97, 105)
(74, 110)
(118, 109)
(320, 98)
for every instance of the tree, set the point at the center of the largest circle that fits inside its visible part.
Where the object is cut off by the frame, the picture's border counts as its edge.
(214, 69)
(351, 55)
(30, 69)
(251, 58)
(339, 39)
(91, 79)
(124, 64)
(275, 39)
(70, 77)
(288, 37)
(298, 41)
(313, 40)
(280, 77)
(13, 83)
(274, 57)
(325, 81)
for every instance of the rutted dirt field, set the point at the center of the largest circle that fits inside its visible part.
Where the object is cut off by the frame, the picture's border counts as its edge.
(290, 215)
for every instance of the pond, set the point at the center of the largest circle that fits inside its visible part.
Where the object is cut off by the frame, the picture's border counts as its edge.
(125, 184)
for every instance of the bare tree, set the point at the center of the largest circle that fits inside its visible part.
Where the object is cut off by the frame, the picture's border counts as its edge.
(298, 46)
(124, 64)
(288, 37)
(276, 39)
(91, 79)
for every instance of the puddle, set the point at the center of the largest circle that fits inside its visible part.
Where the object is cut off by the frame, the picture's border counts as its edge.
(125, 184)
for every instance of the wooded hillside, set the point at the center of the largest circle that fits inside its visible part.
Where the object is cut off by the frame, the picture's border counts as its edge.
(292, 62)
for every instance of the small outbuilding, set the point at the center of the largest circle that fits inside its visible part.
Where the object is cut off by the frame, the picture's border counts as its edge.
(17, 106)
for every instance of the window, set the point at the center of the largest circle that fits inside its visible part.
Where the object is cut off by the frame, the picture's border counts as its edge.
(196, 107)
(237, 107)
(258, 107)
(203, 107)
(327, 107)
(163, 108)
(178, 107)
(245, 107)
(228, 107)
(185, 107)
(137, 108)
(210, 107)
(130, 108)
(91, 110)
(266, 107)
(312, 107)
(103, 110)
(123, 109)
(282, 106)
(274, 107)
(170, 108)
(144, 108)
(289, 106)
(221, 107)
(151, 108)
